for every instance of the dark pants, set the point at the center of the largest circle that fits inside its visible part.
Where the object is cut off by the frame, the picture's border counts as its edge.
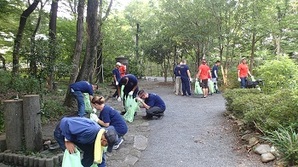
(185, 86)
(154, 111)
(88, 149)
(243, 82)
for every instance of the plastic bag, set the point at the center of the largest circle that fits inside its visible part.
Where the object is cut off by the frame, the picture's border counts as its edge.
(131, 106)
(198, 88)
(71, 160)
(88, 107)
(211, 86)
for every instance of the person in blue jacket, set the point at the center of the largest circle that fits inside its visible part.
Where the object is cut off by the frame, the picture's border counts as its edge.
(153, 104)
(116, 78)
(77, 89)
(108, 116)
(83, 132)
(130, 83)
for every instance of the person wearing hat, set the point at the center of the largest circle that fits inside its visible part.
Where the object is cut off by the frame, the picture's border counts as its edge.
(86, 135)
(77, 89)
(203, 75)
(153, 104)
(108, 116)
(243, 73)
(116, 77)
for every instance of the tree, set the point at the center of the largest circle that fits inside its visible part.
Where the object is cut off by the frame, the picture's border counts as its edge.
(17, 42)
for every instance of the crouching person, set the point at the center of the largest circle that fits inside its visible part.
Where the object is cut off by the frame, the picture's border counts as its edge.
(153, 104)
(86, 135)
(108, 116)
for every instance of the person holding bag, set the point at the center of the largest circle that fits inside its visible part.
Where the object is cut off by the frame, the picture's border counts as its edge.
(81, 132)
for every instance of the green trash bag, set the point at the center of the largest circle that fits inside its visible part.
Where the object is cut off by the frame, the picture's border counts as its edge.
(88, 107)
(198, 88)
(131, 106)
(71, 160)
(211, 86)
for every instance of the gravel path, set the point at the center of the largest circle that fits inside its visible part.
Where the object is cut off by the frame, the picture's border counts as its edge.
(194, 133)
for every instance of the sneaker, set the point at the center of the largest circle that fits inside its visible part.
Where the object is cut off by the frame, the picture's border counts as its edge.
(116, 146)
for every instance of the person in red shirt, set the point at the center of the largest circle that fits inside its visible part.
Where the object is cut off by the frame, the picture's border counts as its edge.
(122, 70)
(243, 73)
(203, 75)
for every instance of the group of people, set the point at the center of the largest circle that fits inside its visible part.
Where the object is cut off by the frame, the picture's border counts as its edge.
(205, 74)
(105, 127)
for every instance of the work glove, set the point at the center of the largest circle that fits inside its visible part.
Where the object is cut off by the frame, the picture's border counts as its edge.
(94, 117)
(119, 98)
(130, 93)
(94, 110)
(239, 80)
(117, 83)
(196, 79)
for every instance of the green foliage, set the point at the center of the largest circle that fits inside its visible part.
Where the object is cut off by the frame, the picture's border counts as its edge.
(278, 74)
(22, 85)
(285, 139)
(240, 101)
(52, 108)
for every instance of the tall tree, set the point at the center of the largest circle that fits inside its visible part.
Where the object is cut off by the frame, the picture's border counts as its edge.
(17, 42)
(87, 67)
(52, 44)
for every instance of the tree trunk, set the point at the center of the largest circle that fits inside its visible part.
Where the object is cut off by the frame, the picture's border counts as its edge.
(33, 57)
(53, 44)
(69, 100)
(18, 39)
(252, 54)
(99, 63)
(86, 70)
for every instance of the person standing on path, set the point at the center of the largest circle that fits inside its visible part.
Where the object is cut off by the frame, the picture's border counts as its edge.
(130, 83)
(116, 78)
(203, 76)
(153, 104)
(77, 89)
(178, 85)
(214, 73)
(108, 116)
(243, 73)
(185, 78)
(88, 136)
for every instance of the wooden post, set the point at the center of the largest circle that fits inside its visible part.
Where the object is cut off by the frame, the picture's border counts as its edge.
(32, 123)
(13, 121)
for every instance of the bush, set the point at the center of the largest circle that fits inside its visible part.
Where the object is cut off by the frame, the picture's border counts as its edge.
(278, 74)
(285, 139)
(271, 111)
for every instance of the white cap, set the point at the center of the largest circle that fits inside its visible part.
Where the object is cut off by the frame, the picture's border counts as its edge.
(118, 64)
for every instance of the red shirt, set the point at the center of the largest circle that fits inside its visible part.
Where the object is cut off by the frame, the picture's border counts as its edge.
(243, 68)
(204, 71)
(122, 70)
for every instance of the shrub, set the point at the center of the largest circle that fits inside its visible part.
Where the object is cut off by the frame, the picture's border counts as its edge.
(278, 74)
(285, 139)
(271, 111)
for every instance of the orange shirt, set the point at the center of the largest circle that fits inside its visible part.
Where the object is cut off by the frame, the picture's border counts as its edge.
(243, 68)
(122, 70)
(204, 71)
